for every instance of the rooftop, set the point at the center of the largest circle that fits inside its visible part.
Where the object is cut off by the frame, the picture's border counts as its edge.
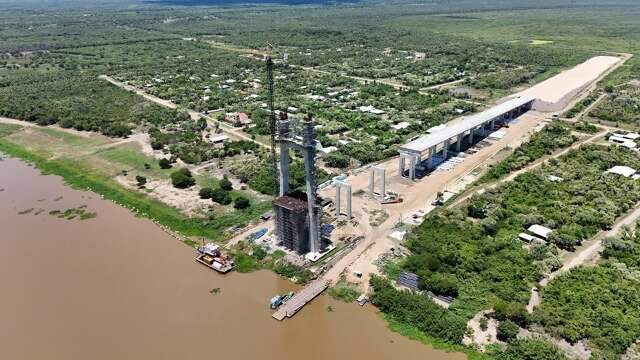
(425, 142)
(622, 170)
(540, 231)
(290, 203)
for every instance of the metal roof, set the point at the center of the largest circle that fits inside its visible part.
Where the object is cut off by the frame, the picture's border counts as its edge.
(425, 142)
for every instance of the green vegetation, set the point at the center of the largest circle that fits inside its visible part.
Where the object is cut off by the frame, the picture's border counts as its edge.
(250, 257)
(554, 136)
(214, 291)
(583, 202)
(70, 100)
(582, 104)
(621, 105)
(69, 214)
(507, 331)
(599, 304)
(474, 250)
(182, 179)
(585, 127)
(344, 291)
(531, 349)
(417, 310)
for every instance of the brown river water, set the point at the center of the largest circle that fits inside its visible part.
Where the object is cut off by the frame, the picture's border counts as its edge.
(118, 287)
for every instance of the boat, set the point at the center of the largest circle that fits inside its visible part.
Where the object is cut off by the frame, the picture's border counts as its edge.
(362, 300)
(278, 300)
(211, 257)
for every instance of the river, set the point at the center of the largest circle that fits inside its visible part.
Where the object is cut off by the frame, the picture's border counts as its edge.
(118, 287)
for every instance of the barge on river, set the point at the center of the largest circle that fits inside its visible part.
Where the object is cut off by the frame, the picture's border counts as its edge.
(210, 256)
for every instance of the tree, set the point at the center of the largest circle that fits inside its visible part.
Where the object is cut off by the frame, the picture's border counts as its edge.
(202, 123)
(182, 179)
(507, 330)
(220, 196)
(206, 193)
(164, 163)
(241, 202)
(225, 184)
(141, 180)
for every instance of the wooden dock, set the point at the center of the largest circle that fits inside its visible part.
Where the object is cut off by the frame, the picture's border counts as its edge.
(300, 299)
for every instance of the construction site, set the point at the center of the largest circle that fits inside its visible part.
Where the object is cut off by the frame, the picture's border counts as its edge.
(371, 210)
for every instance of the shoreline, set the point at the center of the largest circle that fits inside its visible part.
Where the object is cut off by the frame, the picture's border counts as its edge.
(164, 216)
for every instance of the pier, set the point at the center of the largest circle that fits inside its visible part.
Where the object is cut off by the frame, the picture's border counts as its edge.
(300, 299)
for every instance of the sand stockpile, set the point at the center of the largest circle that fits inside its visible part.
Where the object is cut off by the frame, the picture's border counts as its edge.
(555, 93)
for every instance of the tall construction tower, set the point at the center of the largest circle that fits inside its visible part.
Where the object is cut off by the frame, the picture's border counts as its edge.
(297, 213)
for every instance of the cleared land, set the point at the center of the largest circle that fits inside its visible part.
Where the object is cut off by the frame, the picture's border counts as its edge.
(557, 92)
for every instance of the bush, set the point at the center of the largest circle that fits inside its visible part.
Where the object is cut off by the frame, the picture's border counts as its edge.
(531, 349)
(259, 253)
(241, 202)
(337, 160)
(507, 330)
(510, 311)
(484, 323)
(182, 179)
(164, 164)
(439, 283)
(141, 180)
(225, 184)
(206, 193)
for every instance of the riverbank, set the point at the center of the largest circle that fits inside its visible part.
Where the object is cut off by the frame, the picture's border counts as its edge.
(78, 176)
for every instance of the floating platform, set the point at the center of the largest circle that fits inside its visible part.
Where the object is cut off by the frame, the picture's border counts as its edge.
(300, 299)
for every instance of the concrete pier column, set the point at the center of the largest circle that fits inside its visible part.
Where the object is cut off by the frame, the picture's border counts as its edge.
(314, 225)
(445, 150)
(412, 168)
(349, 201)
(384, 183)
(401, 166)
(432, 152)
(337, 204)
(372, 177)
(284, 168)
(471, 134)
(459, 142)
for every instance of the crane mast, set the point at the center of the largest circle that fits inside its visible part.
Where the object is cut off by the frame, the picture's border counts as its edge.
(273, 126)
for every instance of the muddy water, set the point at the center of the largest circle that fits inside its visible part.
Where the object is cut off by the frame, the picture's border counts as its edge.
(117, 287)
